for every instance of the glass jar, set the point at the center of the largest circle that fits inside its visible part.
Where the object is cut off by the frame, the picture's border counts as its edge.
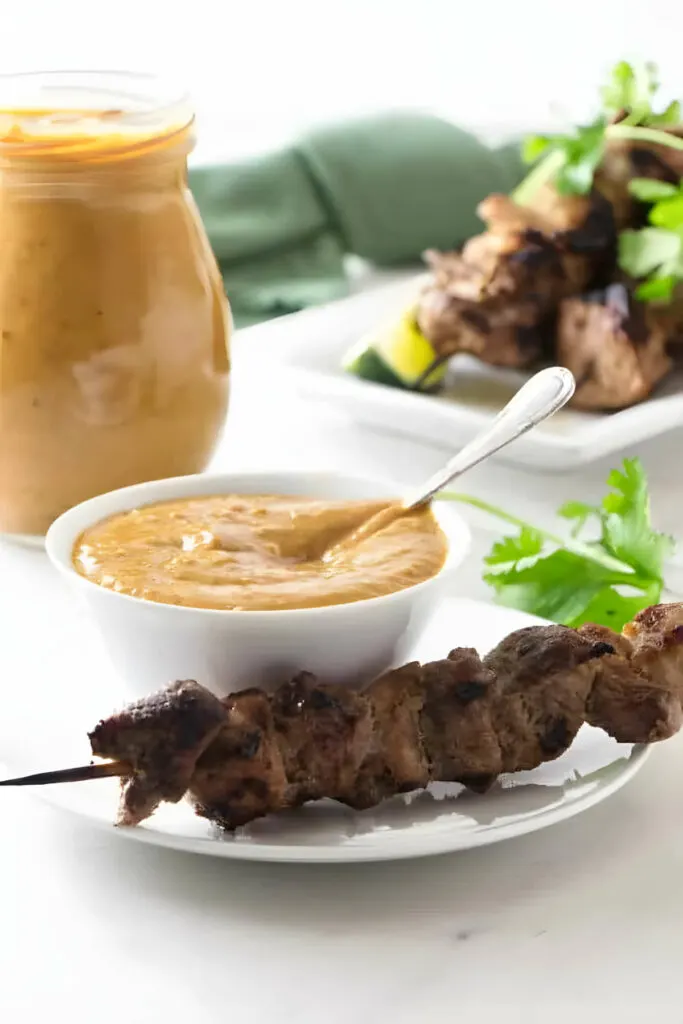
(114, 327)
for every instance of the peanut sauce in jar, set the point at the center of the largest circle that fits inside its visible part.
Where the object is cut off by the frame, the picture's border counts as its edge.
(114, 326)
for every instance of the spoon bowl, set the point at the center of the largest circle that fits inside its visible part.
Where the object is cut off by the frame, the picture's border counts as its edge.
(543, 395)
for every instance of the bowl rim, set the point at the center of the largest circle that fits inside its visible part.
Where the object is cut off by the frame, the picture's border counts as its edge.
(64, 531)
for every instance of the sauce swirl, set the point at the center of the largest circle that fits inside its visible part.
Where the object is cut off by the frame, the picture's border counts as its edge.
(259, 552)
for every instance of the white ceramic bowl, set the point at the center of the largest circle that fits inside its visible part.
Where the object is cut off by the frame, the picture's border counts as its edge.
(151, 644)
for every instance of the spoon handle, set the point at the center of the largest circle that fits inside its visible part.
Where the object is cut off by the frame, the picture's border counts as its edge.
(541, 396)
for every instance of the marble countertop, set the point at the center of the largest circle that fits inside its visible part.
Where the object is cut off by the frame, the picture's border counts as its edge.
(579, 921)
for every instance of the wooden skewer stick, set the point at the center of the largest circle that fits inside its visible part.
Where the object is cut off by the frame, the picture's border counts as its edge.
(82, 774)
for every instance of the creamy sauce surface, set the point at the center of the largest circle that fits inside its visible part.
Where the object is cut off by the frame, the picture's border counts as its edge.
(259, 552)
(114, 327)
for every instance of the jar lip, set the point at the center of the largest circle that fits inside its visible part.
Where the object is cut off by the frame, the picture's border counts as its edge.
(90, 115)
(134, 96)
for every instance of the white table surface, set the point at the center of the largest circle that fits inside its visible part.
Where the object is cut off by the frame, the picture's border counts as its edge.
(582, 921)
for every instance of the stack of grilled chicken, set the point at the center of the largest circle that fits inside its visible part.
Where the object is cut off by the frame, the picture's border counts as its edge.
(542, 282)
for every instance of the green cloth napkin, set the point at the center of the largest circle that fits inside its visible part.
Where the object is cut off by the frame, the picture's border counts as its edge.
(383, 188)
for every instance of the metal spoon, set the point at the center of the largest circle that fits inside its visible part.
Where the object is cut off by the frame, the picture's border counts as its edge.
(541, 397)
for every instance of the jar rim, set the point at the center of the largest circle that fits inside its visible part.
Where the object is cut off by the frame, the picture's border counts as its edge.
(153, 93)
(39, 109)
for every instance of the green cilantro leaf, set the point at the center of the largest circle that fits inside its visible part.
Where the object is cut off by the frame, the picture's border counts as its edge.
(528, 544)
(630, 91)
(626, 525)
(655, 252)
(616, 93)
(668, 213)
(557, 586)
(657, 289)
(650, 190)
(583, 152)
(670, 115)
(535, 146)
(576, 156)
(576, 510)
(613, 609)
(641, 252)
(569, 161)
(606, 580)
(579, 512)
(619, 92)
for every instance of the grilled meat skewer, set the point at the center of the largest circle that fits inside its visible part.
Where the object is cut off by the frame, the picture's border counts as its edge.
(498, 298)
(462, 719)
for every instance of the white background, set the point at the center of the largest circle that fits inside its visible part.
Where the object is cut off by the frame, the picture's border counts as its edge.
(261, 70)
(580, 923)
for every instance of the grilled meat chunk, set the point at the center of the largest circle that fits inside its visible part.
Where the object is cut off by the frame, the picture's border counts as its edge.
(324, 733)
(656, 636)
(497, 298)
(627, 700)
(395, 761)
(615, 347)
(457, 719)
(545, 674)
(242, 771)
(508, 332)
(161, 737)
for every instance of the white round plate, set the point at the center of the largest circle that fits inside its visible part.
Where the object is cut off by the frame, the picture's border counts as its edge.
(57, 685)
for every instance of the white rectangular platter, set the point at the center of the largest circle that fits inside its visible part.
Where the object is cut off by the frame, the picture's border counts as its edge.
(305, 351)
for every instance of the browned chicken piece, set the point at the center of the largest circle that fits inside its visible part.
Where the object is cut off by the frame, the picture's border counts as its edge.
(497, 298)
(491, 301)
(509, 334)
(546, 236)
(161, 737)
(556, 214)
(462, 719)
(615, 347)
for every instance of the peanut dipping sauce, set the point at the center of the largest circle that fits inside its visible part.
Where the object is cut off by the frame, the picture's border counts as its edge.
(114, 326)
(259, 552)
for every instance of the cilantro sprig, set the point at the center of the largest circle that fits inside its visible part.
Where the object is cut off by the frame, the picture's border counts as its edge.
(570, 160)
(655, 252)
(630, 91)
(606, 580)
(575, 156)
